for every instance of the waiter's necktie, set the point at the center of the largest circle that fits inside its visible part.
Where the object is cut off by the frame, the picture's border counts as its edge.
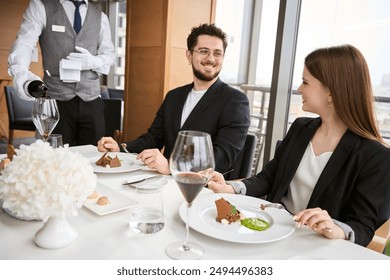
(77, 17)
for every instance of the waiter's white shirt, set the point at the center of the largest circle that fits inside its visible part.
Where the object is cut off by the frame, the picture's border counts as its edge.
(34, 20)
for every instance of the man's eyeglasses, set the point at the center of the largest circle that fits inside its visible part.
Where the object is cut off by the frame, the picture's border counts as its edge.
(218, 54)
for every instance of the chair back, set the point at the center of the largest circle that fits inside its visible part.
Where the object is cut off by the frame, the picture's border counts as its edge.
(115, 93)
(104, 94)
(381, 238)
(19, 113)
(112, 115)
(107, 93)
(242, 167)
(18, 109)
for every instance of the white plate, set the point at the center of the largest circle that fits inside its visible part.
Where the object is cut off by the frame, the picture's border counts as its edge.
(128, 163)
(118, 201)
(203, 219)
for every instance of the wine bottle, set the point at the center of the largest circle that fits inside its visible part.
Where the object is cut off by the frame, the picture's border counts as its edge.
(36, 88)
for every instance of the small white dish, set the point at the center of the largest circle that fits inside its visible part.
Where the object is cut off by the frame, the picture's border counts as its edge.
(118, 201)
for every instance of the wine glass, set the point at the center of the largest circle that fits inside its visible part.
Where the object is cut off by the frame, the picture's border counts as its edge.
(192, 165)
(45, 116)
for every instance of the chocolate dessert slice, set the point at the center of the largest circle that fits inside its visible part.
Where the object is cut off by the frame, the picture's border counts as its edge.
(107, 161)
(226, 212)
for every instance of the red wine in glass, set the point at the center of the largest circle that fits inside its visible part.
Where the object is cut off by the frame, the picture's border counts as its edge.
(191, 164)
(190, 184)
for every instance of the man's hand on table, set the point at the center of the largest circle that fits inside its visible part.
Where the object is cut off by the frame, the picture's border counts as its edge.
(107, 144)
(154, 159)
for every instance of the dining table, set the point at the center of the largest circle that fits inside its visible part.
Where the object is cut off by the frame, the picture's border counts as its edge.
(107, 235)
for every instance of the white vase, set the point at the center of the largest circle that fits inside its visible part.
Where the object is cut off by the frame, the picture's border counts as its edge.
(55, 233)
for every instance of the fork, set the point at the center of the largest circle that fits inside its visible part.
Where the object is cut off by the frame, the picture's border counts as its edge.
(124, 146)
(272, 205)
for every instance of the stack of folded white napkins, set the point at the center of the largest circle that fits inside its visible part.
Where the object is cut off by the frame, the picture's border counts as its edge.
(70, 70)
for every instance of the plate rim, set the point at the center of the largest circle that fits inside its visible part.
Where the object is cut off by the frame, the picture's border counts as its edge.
(214, 196)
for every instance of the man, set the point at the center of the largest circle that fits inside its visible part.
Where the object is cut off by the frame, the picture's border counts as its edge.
(207, 105)
(89, 49)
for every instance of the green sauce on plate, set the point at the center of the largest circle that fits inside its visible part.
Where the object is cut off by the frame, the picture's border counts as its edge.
(255, 224)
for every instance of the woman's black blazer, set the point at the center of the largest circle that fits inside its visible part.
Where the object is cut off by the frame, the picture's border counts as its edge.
(354, 186)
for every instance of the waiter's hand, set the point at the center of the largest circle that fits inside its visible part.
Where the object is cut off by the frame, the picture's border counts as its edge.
(88, 61)
(21, 76)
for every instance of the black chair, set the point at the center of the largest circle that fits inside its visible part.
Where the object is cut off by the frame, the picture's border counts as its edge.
(115, 93)
(242, 167)
(19, 113)
(112, 115)
(104, 94)
(109, 93)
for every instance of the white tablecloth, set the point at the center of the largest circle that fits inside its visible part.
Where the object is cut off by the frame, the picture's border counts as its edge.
(109, 236)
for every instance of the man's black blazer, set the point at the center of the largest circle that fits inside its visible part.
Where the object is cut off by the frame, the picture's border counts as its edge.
(354, 186)
(223, 112)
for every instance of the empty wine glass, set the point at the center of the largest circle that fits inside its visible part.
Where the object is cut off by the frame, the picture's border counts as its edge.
(45, 116)
(192, 165)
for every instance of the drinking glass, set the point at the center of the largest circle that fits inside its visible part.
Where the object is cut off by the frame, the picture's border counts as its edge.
(55, 140)
(148, 215)
(192, 165)
(45, 116)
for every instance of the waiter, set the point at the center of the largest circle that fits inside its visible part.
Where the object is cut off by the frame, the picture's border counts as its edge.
(75, 38)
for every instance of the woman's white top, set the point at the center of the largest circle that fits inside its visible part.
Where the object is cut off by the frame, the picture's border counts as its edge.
(305, 179)
(302, 186)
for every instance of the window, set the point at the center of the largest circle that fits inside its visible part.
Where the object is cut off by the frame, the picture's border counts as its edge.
(336, 22)
(117, 18)
(232, 17)
(120, 24)
(252, 27)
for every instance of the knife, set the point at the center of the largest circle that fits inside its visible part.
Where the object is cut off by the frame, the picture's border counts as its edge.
(134, 181)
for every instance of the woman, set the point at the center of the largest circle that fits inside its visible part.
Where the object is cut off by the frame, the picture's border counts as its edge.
(331, 172)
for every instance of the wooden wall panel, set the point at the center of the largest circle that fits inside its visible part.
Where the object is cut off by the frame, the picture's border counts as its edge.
(186, 14)
(3, 63)
(147, 23)
(178, 71)
(11, 14)
(145, 49)
(144, 84)
(161, 26)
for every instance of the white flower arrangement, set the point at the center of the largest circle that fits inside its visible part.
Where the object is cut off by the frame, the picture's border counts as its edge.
(42, 182)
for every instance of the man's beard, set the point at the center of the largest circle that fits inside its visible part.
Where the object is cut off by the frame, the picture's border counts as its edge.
(203, 77)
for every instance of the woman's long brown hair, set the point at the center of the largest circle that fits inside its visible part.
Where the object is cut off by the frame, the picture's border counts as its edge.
(343, 69)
